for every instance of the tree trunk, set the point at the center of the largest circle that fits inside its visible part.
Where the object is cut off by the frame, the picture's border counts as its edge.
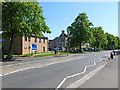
(10, 52)
(80, 47)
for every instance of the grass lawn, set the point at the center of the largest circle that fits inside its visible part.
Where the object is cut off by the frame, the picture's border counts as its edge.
(49, 54)
(39, 54)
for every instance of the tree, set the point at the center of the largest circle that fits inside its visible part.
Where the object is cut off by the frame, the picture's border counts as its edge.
(22, 18)
(110, 39)
(100, 40)
(79, 31)
(113, 41)
(118, 43)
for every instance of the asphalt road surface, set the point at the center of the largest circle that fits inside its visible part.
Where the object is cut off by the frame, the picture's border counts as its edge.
(50, 76)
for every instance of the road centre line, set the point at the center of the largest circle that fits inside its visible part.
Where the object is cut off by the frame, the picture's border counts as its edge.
(85, 69)
(26, 69)
(19, 64)
(38, 66)
(38, 61)
(1, 75)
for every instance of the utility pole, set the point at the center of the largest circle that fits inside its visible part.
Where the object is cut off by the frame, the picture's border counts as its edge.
(29, 43)
(113, 46)
(67, 43)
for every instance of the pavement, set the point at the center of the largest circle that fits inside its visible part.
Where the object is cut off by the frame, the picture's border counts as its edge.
(107, 77)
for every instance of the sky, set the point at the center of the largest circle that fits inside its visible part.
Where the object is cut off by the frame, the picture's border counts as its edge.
(60, 15)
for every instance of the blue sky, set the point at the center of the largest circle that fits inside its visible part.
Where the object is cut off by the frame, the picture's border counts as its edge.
(59, 15)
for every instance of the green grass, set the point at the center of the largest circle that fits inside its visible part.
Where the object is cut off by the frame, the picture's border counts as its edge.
(0, 45)
(24, 55)
(38, 54)
(49, 54)
(44, 54)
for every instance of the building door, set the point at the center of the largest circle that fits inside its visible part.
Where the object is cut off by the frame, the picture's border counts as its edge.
(43, 49)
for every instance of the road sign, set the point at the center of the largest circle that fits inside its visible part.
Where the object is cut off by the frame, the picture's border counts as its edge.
(34, 47)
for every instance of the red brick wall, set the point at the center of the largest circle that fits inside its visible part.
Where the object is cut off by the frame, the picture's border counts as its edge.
(26, 44)
(22, 47)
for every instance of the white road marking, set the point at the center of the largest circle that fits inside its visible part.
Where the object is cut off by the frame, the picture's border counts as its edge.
(38, 66)
(19, 64)
(1, 75)
(85, 69)
(28, 68)
(38, 61)
(25, 69)
(85, 78)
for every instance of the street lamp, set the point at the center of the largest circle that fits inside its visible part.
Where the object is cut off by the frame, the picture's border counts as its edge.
(67, 43)
(29, 44)
(113, 46)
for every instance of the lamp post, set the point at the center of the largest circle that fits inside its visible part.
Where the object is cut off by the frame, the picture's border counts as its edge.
(67, 43)
(113, 46)
(29, 44)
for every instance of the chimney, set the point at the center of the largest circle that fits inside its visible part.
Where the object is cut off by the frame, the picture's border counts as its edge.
(63, 31)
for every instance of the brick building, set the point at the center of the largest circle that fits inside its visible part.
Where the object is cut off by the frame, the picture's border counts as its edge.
(25, 45)
(58, 42)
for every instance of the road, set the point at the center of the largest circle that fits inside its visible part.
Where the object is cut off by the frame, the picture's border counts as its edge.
(50, 76)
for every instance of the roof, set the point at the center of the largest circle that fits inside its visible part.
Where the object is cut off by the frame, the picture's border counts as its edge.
(43, 37)
(64, 35)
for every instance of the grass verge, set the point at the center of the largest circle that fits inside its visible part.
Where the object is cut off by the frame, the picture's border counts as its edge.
(39, 54)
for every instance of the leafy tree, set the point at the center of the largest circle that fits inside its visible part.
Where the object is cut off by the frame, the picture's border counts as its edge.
(113, 41)
(118, 43)
(110, 39)
(100, 40)
(22, 18)
(79, 31)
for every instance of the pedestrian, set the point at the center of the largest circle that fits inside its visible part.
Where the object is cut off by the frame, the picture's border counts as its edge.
(111, 55)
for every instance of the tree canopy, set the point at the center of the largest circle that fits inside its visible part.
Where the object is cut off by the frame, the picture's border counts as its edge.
(82, 31)
(22, 18)
(79, 31)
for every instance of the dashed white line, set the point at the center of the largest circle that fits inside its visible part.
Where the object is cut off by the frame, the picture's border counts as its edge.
(37, 66)
(1, 75)
(26, 69)
(36, 62)
(19, 64)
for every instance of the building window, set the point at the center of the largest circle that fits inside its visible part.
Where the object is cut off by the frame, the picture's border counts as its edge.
(25, 38)
(35, 39)
(25, 47)
(43, 40)
(39, 40)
